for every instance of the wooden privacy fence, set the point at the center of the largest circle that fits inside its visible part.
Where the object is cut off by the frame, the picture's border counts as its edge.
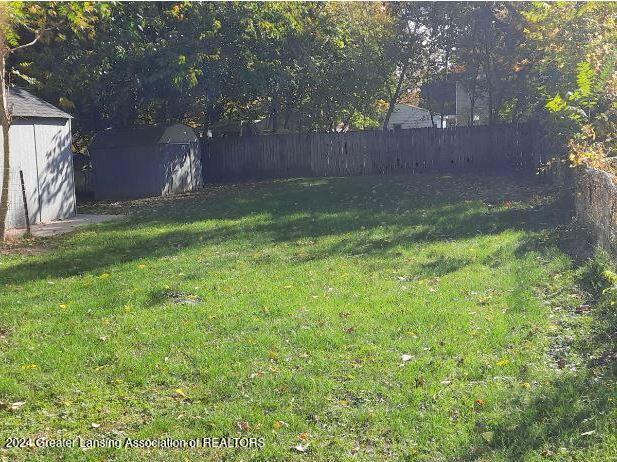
(501, 148)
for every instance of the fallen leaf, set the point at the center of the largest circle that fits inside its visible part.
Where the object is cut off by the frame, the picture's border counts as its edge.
(179, 393)
(590, 432)
(279, 424)
(17, 405)
(301, 447)
(304, 436)
(95, 425)
(105, 275)
(243, 425)
(406, 358)
(63, 306)
(488, 437)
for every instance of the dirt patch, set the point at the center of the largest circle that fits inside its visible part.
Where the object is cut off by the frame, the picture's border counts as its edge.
(26, 247)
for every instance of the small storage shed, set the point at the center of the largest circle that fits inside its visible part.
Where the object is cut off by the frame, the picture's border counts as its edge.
(40, 147)
(145, 162)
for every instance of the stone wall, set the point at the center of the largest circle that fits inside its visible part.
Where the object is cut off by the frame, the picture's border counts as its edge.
(595, 203)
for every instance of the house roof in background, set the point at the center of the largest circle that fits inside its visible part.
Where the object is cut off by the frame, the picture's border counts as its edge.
(24, 104)
(411, 106)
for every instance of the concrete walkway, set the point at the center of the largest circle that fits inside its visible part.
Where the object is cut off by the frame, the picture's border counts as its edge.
(53, 228)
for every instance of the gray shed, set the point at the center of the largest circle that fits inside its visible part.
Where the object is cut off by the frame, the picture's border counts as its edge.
(145, 162)
(40, 146)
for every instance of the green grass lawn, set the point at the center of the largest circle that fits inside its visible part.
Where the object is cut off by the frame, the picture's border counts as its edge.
(283, 310)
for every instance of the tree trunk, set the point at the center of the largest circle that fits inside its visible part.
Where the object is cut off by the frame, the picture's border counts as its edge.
(489, 82)
(5, 121)
(395, 95)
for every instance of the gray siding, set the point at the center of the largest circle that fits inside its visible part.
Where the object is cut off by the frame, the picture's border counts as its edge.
(463, 106)
(147, 170)
(41, 148)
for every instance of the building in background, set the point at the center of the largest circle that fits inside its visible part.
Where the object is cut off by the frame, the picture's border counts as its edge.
(146, 161)
(406, 116)
(456, 102)
(40, 148)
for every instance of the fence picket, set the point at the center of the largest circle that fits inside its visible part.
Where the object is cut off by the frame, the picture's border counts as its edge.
(504, 148)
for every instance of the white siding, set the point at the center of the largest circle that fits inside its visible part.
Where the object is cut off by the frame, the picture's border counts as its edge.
(405, 116)
(41, 149)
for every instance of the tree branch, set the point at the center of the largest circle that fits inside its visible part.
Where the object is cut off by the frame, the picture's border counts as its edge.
(38, 35)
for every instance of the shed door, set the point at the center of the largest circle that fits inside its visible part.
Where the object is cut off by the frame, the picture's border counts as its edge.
(23, 157)
(55, 167)
(179, 168)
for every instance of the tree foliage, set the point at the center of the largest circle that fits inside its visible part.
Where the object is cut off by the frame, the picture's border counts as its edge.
(203, 62)
(331, 63)
(22, 26)
(575, 50)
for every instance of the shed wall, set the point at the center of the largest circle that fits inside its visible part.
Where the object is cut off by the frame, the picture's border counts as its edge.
(146, 171)
(41, 149)
(127, 173)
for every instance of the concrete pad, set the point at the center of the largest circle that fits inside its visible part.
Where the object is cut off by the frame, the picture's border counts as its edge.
(54, 228)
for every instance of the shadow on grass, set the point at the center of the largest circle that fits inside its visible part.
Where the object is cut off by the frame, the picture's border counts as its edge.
(369, 215)
(574, 412)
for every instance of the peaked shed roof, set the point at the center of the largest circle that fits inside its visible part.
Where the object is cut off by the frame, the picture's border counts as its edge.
(24, 104)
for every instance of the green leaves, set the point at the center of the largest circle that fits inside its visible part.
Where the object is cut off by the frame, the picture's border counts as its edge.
(585, 80)
(556, 104)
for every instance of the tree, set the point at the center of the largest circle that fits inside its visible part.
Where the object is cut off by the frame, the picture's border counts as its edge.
(575, 78)
(411, 36)
(9, 43)
(202, 62)
(22, 26)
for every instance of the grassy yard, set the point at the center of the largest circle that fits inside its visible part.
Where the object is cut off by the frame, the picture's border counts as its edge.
(402, 318)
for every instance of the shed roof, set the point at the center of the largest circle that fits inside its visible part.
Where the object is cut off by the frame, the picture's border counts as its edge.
(143, 136)
(403, 105)
(24, 104)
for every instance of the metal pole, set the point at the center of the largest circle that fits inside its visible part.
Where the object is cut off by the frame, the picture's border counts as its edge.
(23, 196)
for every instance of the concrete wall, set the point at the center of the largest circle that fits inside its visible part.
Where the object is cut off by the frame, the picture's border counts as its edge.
(41, 149)
(595, 203)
